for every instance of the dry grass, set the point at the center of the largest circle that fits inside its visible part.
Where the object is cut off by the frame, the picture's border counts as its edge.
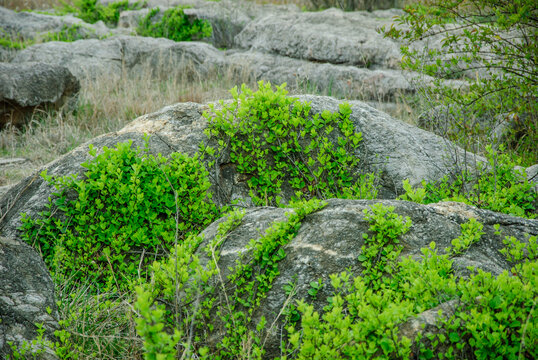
(108, 103)
(105, 104)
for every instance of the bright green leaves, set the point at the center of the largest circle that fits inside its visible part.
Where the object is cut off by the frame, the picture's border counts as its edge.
(470, 234)
(158, 344)
(128, 210)
(497, 186)
(253, 279)
(92, 11)
(274, 140)
(380, 251)
(174, 24)
(488, 317)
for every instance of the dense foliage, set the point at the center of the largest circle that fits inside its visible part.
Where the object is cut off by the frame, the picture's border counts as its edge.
(173, 24)
(134, 219)
(275, 141)
(491, 317)
(492, 45)
(128, 210)
(498, 186)
(92, 11)
(488, 317)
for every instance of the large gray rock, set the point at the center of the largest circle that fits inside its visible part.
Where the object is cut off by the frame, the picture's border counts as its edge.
(331, 36)
(227, 18)
(396, 150)
(31, 25)
(128, 53)
(124, 53)
(329, 241)
(29, 86)
(26, 297)
(343, 81)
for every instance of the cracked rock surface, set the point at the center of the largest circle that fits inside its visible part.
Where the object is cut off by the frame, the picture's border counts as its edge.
(26, 296)
(330, 240)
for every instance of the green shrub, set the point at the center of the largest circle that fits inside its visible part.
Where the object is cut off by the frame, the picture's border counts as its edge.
(493, 318)
(66, 34)
(174, 25)
(497, 186)
(91, 11)
(274, 141)
(11, 41)
(129, 209)
(200, 300)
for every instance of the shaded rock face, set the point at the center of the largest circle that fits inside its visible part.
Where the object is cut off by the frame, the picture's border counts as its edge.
(26, 296)
(27, 87)
(390, 147)
(329, 241)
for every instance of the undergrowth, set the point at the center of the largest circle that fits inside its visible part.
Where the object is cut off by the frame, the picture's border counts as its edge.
(133, 222)
(490, 317)
(91, 11)
(127, 210)
(497, 185)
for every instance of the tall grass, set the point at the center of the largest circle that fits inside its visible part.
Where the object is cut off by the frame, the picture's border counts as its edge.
(106, 104)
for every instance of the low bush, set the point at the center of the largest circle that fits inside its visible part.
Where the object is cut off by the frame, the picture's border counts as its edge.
(497, 186)
(14, 41)
(66, 34)
(91, 11)
(174, 24)
(275, 142)
(197, 294)
(493, 317)
(128, 210)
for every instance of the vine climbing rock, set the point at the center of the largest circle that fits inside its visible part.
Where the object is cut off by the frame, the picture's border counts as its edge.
(26, 297)
(329, 241)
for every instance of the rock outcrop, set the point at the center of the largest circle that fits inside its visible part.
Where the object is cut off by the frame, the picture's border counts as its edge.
(114, 55)
(227, 18)
(26, 297)
(27, 87)
(391, 148)
(330, 240)
(331, 36)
